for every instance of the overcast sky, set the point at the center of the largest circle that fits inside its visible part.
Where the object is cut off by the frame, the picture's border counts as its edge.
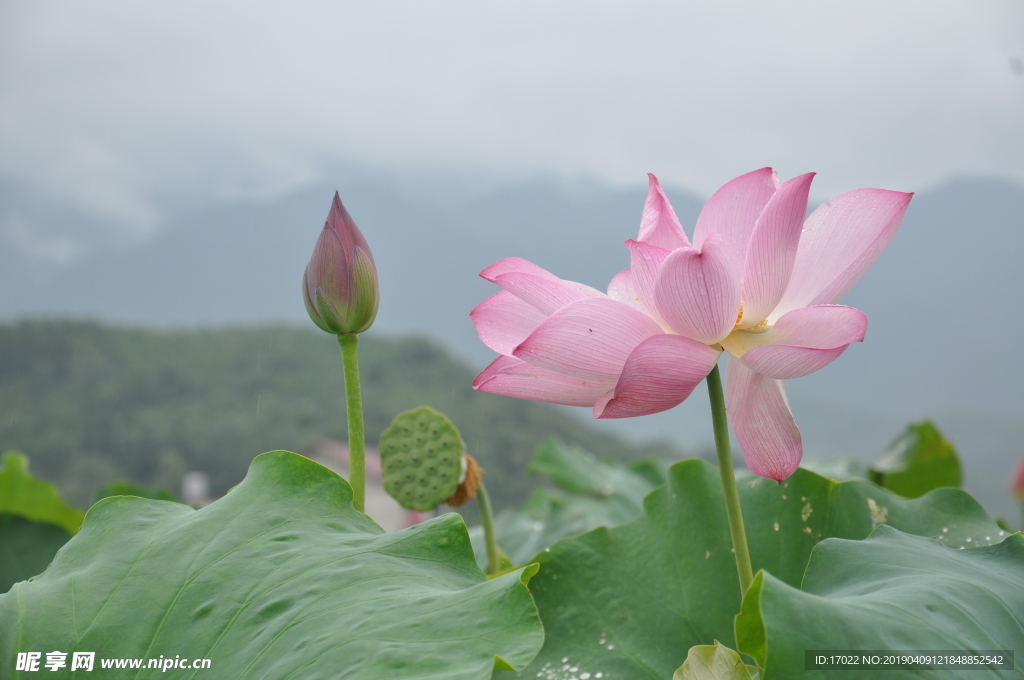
(123, 108)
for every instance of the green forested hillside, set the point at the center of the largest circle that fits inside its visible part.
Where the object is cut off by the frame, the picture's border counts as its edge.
(90, 403)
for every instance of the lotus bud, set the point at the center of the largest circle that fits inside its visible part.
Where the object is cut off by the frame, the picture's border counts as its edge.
(340, 282)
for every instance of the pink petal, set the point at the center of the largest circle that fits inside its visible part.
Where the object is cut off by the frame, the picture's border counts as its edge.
(660, 373)
(762, 421)
(515, 378)
(841, 239)
(772, 250)
(540, 288)
(784, 362)
(328, 267)
(503, 321)
(697, 293)
(590, 339)
(733, 211)
(518, 265)
(645, 263)
(621, 289)
(659, 225)
(805, 340)
(820, 327)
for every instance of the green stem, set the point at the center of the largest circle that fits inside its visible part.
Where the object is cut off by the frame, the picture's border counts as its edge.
(732, 499)
(356, 436)
(487, 519)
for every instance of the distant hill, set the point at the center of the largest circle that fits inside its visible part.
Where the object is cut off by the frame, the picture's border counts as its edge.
(91, 403)
(943, 327)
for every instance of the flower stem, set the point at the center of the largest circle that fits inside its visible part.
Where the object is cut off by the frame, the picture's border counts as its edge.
(356, 436)
(732, 499)
(487, 519)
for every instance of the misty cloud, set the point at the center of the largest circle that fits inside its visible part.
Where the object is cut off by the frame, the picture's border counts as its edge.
(131, 110)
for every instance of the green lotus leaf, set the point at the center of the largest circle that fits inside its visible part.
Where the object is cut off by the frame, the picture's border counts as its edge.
(592, 493)
(579, 472)
(26, 548)
(712, 662)
(919, 460)
(547, 517)
(893, 591)
(23, 495)
(630, 601)
(281, 578)
(34, 521)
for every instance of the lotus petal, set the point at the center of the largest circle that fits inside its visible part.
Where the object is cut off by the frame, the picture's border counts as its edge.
(802, 341)
(589, 339)
(621, 289)
(697, 293)
(763, 424)
(545, 294)
(645, 263)
(503, 321)
(515, 378)
(841, 239)
(659, 225)
(733, 210)
(660, 373)
(772, 250)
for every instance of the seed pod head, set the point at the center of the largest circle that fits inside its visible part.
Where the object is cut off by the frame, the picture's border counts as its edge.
(339, 285)
(421, 457)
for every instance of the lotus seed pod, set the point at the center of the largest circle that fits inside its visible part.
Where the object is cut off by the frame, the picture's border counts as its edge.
(421, 458)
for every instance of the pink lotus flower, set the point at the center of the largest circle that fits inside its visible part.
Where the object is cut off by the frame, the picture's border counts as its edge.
(757, 281)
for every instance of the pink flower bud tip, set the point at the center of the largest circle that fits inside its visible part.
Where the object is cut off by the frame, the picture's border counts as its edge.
(340, 283)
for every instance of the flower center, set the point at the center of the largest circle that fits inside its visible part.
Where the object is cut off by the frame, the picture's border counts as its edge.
(739, 341)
